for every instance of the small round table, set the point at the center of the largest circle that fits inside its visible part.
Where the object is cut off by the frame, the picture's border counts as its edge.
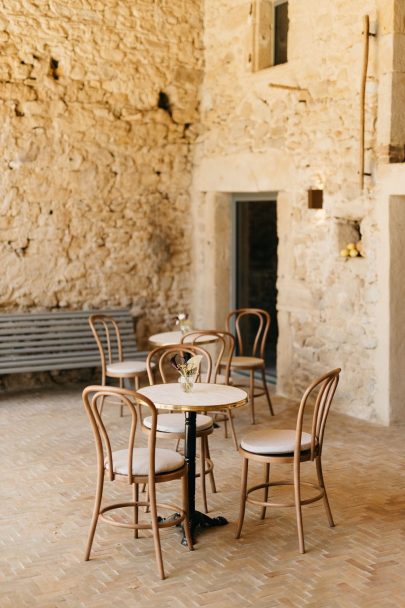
(204, 397)
(174, 337)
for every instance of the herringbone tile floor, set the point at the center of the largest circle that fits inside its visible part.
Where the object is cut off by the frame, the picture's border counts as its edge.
(47, 490)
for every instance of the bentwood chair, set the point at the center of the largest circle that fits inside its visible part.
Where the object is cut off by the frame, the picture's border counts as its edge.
(133, 466)
(224, 345)
(107, 335)
(251, 356)
(171, 425)
(272, 446)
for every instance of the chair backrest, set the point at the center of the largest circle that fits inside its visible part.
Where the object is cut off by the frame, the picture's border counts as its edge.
(93, 399)
(108, 337)
(161, 355)
(323, 388)
(259, 320)
(224, 345)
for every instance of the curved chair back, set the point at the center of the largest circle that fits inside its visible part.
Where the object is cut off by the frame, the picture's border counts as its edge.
(324, 388)
(256, 316)
(162, 354)
(225, 348)
(108, 337)
(93, 398)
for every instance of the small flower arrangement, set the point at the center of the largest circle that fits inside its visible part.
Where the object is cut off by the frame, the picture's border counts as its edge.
(183, 322)
(188, 368)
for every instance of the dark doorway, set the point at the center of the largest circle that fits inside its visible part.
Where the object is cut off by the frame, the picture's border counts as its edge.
(256, 266)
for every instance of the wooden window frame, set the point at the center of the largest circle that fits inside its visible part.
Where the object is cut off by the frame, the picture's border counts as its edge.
(264, 40)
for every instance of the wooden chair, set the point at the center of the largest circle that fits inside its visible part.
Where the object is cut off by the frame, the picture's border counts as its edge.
(251, 359)
(225, 347)
(134, 466)
(291, 446)
(171, 425)
(108, 337)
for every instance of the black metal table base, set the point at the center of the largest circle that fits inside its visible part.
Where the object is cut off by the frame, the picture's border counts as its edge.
(200, 521)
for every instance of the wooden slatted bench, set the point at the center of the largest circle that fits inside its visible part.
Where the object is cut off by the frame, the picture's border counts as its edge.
(46, 341)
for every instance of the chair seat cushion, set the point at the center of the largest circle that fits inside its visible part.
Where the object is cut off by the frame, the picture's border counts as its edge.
(174, 423)
(126, 367)
(247, 362)
(165, 461)
(273, 441)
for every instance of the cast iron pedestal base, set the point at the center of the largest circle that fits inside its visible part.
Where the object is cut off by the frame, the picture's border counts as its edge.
(199, 521)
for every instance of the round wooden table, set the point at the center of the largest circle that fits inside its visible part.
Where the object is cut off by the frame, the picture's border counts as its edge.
(204, 397)
(174, 337)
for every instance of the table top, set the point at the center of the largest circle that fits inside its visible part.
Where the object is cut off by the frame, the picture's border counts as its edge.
(174, 337)
(204, 397)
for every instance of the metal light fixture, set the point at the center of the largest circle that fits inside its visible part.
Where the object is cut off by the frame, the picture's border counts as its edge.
(315, 199)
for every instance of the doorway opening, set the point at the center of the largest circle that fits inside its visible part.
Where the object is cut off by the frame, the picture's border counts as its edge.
(255, 266)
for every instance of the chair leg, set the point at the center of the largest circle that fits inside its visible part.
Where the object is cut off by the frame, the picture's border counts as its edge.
(186, 522)
(266, 489)
(298, 509)
(135, 494)
(96, 513)
(155, 529)
(242, 496)
(266, 392)
(147, 509)
(138, 407)
(122, 405)
(202, 474)
(230, 418)
(101, 405)
(252, 396)
(325, 496)
(212, 478)
(226, 428)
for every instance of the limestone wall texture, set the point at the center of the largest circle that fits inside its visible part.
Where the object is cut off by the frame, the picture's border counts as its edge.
(98, 112)
(127, 126)
(260, 138)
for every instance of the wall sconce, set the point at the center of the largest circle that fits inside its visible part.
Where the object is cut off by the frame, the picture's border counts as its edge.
(315, 199)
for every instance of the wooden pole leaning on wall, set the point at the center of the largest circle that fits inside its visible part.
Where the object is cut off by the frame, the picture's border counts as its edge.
(288, 87)
(303, 93)
(365, 36)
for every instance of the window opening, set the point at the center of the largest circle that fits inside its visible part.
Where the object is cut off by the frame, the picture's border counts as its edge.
(270, 33)
(280, 32)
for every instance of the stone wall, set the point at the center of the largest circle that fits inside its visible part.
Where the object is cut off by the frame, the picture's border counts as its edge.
(107, 122)
(99, 111)
(258, 137)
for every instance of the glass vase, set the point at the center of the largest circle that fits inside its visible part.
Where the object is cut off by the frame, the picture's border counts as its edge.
(187, 383)
(184, 327)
